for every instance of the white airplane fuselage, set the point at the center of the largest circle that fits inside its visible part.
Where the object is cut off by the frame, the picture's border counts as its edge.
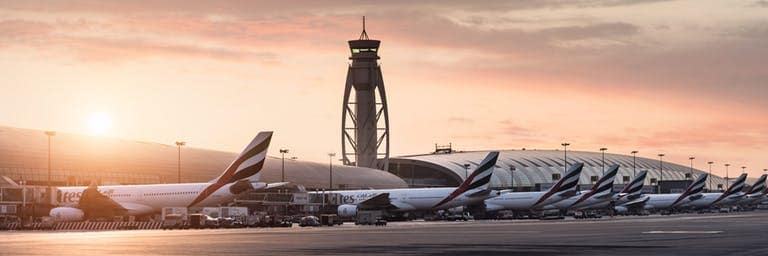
(591, 202)
(410, 199)
(149, 199)
(520, 201)
(755, 198)
(660, 201)
(617, 199)
(708, 200)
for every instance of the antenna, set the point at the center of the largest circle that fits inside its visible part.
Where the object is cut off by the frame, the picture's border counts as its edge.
(364, 35)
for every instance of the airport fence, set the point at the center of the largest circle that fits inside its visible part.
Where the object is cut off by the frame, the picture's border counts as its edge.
(88, 226)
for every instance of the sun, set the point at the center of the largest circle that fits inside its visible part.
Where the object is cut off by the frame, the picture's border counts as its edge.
(99, 123)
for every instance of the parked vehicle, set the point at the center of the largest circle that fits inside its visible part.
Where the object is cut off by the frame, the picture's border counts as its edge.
(309, 221)
(586, 215)
(174, 221)
(459, 217)
(330, 219)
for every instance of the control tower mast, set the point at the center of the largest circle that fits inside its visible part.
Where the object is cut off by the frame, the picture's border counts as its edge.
(365, 118)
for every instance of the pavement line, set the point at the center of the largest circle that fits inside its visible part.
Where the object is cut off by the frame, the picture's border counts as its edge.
(685, 232)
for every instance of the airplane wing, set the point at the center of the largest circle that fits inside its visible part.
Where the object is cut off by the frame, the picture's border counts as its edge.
(95, 204)
(276, 184)
(604, 196)
(383, 202)
(639, 202)
(378, 202)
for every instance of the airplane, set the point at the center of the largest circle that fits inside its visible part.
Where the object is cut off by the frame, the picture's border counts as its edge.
(632, 191)
(79, 203)
(474, 189)
(667, 201)
(525, 201)
(731, 196)
(756, 193)
(601, 192)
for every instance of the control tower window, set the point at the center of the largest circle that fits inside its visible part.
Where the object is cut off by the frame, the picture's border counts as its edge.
(358, 50)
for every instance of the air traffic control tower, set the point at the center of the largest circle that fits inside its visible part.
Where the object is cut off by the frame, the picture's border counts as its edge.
(365, 118)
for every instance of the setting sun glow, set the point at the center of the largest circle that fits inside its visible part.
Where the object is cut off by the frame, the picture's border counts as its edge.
(99, 123)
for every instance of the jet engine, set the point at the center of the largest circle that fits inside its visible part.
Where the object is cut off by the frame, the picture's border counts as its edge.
(695, 197)
(347, 210)
(621, 209)
(67, 214)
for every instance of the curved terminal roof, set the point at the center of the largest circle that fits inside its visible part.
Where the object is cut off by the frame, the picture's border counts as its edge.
(537, 166)
(80, 159)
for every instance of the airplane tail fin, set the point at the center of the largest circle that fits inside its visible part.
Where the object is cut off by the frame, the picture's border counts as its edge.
(603, 187)
(635, 187)
(480, 179)
(696, 188)
(568, 183)
(759, 186)
(737, 186)
(247, 164)
(605, 184)
(565, 187)
(250, 160)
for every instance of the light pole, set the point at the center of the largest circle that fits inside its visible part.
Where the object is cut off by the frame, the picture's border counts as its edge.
(23, 200)
(661, 173)
(511, 176)
(710, 174)
(727, 181)
(466, 171)
(49, 191)
(690, 173)
(330, 170)
(743, 169)
(565, 156)
(180, 144)
(23, 195)
(602, 150)
(283, 151)
(634, 163)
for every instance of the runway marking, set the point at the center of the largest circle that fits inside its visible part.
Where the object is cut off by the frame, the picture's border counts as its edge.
(684, 232)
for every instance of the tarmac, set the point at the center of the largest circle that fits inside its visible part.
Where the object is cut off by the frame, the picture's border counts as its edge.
(689, 234)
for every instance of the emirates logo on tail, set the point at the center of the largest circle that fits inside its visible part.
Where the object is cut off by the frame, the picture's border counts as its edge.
(247, 164)
(695, 188)
(480, 179)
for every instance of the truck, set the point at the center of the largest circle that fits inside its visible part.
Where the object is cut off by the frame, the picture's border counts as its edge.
(174, 217)
(330, 219)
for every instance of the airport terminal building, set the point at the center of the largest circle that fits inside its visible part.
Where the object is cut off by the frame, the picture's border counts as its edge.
(526, 170)
(80, 160)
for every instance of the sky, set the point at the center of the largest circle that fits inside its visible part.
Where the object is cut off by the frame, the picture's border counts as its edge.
(683, 78)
